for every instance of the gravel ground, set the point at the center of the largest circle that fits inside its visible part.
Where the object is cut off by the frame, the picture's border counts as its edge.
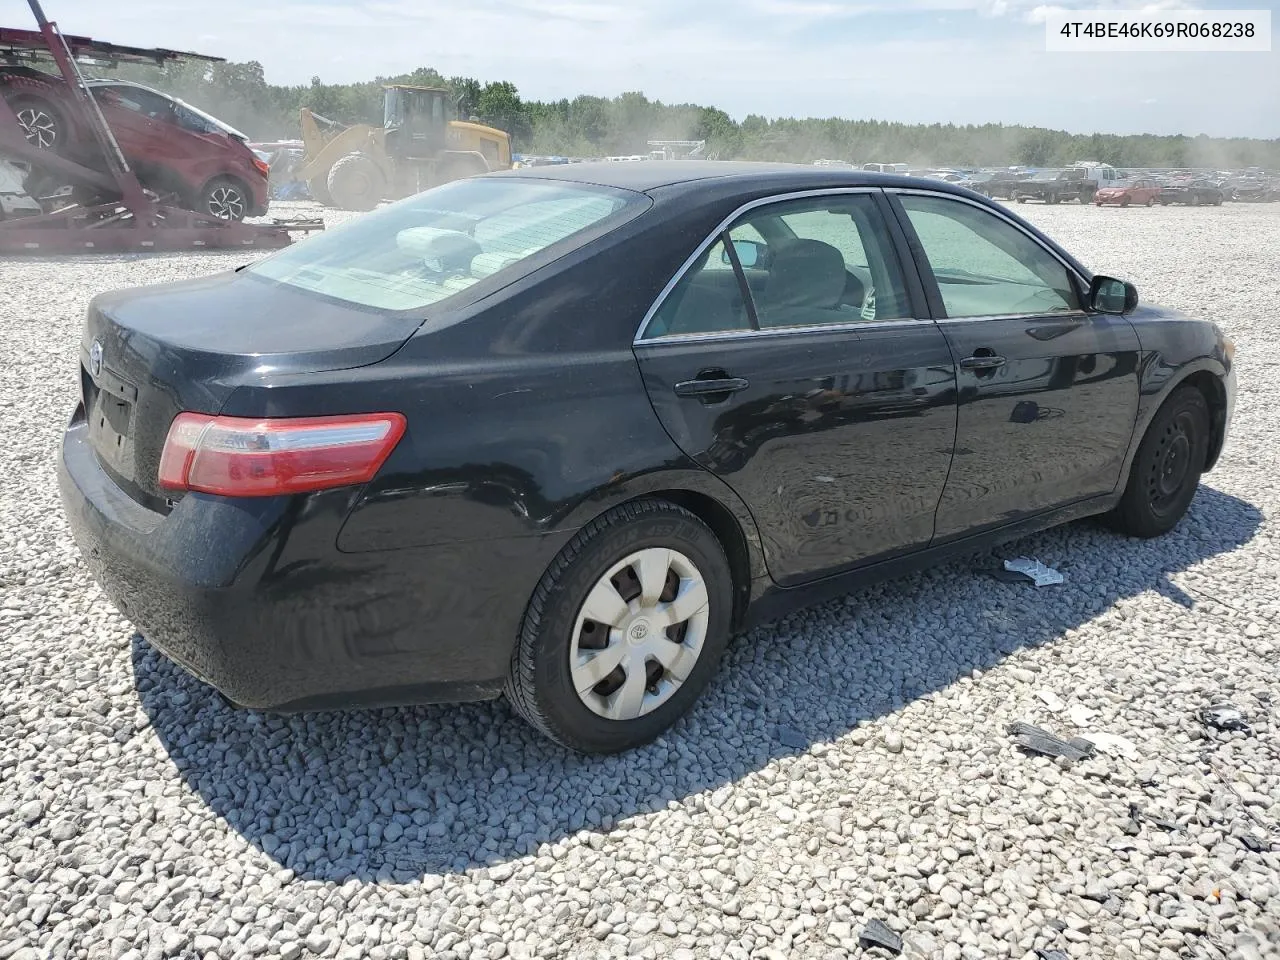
(850, 763)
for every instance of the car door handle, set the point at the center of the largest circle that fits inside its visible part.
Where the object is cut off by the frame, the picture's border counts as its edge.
(982, 362)
(710, 386)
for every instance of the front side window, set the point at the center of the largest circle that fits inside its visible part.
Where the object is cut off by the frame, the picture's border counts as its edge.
(809, 262)
(984, 266)
(436, 244)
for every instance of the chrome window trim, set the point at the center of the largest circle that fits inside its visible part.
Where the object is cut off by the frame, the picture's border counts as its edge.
(1000, 214)
(1073, 315)
(850, 327)
(713, 238)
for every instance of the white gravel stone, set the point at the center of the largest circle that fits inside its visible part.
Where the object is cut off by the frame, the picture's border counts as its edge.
(140, 815)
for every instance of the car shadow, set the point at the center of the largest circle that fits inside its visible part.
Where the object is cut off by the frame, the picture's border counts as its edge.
(396, 795)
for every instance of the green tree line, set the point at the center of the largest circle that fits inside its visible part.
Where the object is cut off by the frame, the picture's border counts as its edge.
(588, 126)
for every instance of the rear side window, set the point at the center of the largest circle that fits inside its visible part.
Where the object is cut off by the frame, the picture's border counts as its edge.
(435, 245)
(804, 263)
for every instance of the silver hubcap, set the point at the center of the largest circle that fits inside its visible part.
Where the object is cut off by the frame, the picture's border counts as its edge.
(639, 634)
(226, 203)
(38, 127)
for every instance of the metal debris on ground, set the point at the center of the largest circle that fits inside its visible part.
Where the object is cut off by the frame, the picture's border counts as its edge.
(1041, 741)
(877, 934)
(1052, 954)
(1137, 815)
(1114, 744)
(1224, 716)
(1034, 570)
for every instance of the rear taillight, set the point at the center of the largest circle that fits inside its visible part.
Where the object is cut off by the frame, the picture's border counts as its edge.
(261, 166)
(243, 457)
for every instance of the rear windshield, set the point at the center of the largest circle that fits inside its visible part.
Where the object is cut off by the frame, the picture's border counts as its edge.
(436, 244)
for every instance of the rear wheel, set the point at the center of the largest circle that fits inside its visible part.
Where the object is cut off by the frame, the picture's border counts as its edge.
(624, 630)
(355, 182)
(1167, 468)
(225, 198)
(42, 124)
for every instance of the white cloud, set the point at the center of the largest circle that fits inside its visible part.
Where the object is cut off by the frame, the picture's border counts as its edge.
(888, 59)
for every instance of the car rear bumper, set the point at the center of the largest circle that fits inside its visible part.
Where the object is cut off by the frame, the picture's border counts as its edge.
(253, 597)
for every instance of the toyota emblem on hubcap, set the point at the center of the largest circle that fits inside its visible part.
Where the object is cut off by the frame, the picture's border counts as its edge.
(639, 630)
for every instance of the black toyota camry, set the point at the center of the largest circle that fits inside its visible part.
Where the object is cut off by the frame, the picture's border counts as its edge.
(559, 433)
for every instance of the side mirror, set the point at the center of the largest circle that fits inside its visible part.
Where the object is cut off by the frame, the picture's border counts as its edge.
(751, 253)
(1109, 295)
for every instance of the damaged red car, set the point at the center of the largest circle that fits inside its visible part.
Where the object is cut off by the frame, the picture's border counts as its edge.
(175, 148)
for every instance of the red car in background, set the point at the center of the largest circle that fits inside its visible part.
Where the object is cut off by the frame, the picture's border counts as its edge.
(1126, 192)
(173, 147)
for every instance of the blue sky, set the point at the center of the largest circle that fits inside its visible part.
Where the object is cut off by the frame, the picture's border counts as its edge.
(910, 60)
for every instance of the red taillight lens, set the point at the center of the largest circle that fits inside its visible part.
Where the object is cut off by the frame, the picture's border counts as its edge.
(243, 457)
(262, 166)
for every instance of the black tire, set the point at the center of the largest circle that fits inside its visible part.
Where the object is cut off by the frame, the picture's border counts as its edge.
(355, 182)
(225, 198)
(540, 685)
(1166, 471)
(41, 122)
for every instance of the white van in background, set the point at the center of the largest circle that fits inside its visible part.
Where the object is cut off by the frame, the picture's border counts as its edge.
(885, 167)
(1102, 174)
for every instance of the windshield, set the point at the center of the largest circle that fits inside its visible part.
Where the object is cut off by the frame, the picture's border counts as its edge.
(1047, 175)
(436, 244)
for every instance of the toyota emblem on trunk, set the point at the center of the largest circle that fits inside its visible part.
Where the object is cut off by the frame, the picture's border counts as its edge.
(95, 358)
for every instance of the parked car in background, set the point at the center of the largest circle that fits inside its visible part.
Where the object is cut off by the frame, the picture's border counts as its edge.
(1254, 189)
(1128, 192)
(175, 148)
(1056, 186)
(1192, 192)
(1002, 184)
(372, 468)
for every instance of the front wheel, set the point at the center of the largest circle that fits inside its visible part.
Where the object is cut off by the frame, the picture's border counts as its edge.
(41, 123)
(356, 182)
(1166, 471)
(624, 630)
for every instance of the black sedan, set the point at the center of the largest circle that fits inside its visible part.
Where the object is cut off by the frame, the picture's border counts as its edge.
(1193, 193)
(559, 433)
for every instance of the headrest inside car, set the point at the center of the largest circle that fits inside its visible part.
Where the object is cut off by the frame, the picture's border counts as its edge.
(452, 249)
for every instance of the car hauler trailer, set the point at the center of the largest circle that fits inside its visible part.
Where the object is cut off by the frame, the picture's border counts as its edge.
(122, 216)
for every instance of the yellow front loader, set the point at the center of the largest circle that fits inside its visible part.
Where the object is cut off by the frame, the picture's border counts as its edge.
(419, 146)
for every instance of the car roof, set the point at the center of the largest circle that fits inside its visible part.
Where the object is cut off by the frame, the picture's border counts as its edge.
(645, 175)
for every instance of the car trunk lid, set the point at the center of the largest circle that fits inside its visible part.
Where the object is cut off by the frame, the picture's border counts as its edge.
(149, 354)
